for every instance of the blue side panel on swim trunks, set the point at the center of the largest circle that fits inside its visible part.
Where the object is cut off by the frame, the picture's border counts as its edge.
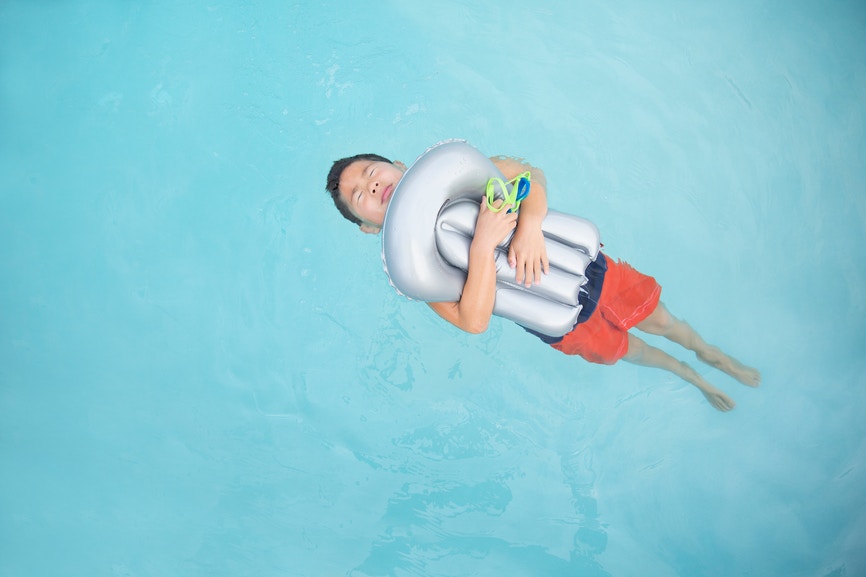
(429, 226)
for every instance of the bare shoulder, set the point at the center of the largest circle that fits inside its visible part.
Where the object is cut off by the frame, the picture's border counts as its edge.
(511, 166)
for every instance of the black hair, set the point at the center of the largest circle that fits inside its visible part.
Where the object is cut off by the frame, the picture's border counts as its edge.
(334, 182)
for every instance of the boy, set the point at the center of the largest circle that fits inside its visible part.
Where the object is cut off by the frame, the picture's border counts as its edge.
(620, 298)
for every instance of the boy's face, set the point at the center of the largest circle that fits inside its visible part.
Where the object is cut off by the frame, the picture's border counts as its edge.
(366, 187)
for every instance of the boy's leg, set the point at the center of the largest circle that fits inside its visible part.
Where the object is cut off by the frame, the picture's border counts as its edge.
(641, 353)
(662, 322)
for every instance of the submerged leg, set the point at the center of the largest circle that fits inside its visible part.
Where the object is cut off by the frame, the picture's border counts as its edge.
(661, 322)
(643, 354)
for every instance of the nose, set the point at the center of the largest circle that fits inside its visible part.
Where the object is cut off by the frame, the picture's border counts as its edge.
(374, 186)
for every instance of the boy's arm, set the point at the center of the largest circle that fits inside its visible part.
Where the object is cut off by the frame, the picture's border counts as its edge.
(473, 311)
(527, 253)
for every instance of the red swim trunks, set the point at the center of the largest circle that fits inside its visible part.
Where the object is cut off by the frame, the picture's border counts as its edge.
(627, 298)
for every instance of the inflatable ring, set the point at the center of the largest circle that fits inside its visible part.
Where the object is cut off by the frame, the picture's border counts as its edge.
(429, 226)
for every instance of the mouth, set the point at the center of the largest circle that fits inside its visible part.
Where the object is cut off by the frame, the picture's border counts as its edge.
(386, 194)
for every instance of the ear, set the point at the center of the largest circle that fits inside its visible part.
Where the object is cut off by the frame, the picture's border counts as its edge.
(399, 164)
(369, 228)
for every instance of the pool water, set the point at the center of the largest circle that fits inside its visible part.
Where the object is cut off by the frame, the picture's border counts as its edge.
(204, 371)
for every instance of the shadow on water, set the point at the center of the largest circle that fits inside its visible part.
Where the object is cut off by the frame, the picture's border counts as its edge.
(416, 538)
(467, 502)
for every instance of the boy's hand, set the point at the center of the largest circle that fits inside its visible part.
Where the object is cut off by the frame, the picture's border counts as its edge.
(492, 228)
(528, 254)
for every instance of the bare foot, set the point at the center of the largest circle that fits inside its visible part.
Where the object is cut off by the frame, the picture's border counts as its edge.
(714, 357)
(641, 353)
(718, 399)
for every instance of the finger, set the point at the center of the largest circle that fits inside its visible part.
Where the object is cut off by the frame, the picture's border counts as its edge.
(512, 257)
(497, 203)
(520, 272)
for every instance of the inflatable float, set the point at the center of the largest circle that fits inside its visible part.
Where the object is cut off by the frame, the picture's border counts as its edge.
(429, 226)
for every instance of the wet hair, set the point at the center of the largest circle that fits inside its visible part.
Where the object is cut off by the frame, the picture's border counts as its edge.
(334, 182)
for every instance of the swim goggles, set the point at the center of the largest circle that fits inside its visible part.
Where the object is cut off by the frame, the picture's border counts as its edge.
(512, 195)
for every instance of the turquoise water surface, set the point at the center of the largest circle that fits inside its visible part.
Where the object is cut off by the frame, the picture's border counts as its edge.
(204, 371)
